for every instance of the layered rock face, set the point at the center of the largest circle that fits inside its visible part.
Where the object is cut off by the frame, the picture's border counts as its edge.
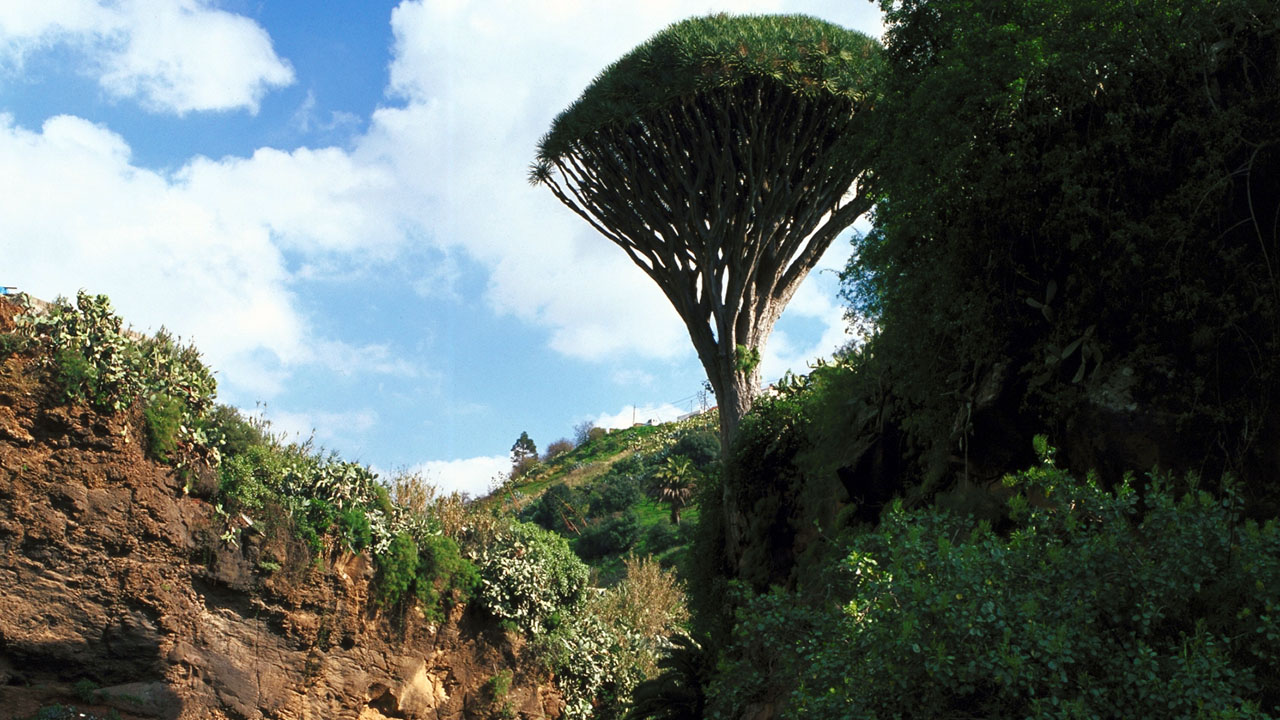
(117, 595)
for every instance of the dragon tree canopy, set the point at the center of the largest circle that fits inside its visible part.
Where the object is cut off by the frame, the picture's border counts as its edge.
(722, 155)
(807, 56)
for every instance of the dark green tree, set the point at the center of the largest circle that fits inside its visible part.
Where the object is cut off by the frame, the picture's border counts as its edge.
(523, 452)
(722, 156)
(1077, 216)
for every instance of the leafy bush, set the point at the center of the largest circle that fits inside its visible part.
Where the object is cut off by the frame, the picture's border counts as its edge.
(770, 482)
(236, 434)
(314, 522)
(614, 492)
(77, 376)
(1095, 604)
(163, 416)
(444, 576)
(676, 693)
(97, 361)
(661, 537)
(706, 566)
(613, 641)
(530, 576)
(354, 526)
(612, 536)
(701, 446)
(12, 343)
(559, 509)
(499, 685)
(1079, 202)
(397, 569)
(556, 449)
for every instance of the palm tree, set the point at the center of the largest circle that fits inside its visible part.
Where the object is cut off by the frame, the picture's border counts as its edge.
(674, 484)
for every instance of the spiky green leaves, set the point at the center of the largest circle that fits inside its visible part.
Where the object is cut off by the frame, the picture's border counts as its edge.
(810, 57)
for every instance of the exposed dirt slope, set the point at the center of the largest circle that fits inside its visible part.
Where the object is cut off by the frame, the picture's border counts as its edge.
(110, 573)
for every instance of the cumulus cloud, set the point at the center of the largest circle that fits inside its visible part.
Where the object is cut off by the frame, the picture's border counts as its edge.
(201, 252)
(472, 476)
(334, 430)
(642, 414)
(215, 248)
(173, 56)
(466, 129)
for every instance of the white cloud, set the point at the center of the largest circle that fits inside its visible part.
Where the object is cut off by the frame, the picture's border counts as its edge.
(347, 360)
(631, 415)
(473, 476)
(468, 129)
(201, 252)
(633, 378)
(307, 118)
(315, 200)
(334, 430)
(203, 249)
(173, 56)
(24, 25)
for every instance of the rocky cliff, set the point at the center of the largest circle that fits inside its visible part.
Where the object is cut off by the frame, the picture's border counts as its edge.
(117, 596)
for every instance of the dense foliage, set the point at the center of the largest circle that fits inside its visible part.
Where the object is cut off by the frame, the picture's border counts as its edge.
(529, 575)
(806, 55)
(96, 360)
(1078, 210)
(1093, 603)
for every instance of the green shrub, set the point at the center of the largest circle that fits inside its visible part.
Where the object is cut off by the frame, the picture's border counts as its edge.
(770, 482)
(612, 536)
(707, 569)
(661, 537)
(85, 690)
(249, 478)
(397, 568)
(499, 685)
(76, 375)
(355, 529)
(529, 575)
(613, 641)
(559, 509)
(556, 449)
(701, 446)
(1095, 604)
(97, 361)
(164, 422)
(236, 434)
(12, 343)
(614, 492)
(443, 576)
(314, 522)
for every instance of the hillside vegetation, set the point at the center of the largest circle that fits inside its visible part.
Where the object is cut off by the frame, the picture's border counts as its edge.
(281, 513)
(1044, 484)
(619, 494)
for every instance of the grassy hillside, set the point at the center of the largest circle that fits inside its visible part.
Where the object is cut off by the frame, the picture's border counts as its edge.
(603, 496)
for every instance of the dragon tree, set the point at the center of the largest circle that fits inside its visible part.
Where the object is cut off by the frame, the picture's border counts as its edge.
(722, 155)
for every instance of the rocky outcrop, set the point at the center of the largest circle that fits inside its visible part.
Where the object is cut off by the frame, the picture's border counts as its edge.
(116, 594)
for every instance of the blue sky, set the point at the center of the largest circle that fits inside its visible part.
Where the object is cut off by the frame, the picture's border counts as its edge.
(330, 200)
